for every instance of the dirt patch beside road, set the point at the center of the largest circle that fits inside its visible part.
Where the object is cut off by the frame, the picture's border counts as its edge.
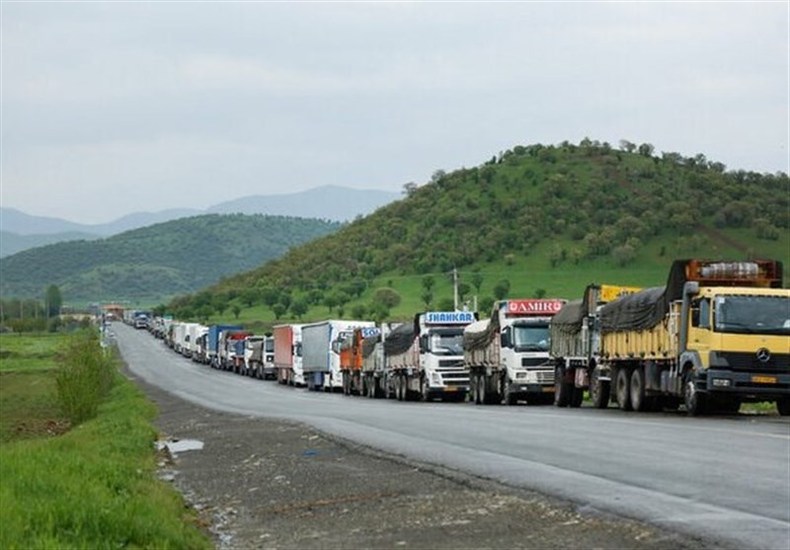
(260, 483)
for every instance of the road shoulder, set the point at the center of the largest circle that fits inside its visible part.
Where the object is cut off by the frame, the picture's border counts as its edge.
(262, 483)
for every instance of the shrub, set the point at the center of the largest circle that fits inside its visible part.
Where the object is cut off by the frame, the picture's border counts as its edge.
(84, 376)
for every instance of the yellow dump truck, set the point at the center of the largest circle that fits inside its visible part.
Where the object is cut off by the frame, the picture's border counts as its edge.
(575, 347)
(717, 335)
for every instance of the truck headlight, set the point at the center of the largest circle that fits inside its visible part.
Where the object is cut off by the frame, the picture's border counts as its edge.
(521, 375)
(722, 382)
(436, 379)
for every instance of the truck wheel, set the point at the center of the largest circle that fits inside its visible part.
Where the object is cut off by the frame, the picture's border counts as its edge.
(425, 393)
(599, 390)
(692, 398)
(482, 392)
(561, 397)
(577, 396)
(510, 398)
(623, 388)
(637, 387)
(783, 406)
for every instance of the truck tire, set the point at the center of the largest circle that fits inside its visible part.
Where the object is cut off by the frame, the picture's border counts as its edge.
(694, 400)
(577, 396)
(482, 390)
(622, 388)
(425, 392)
(639, 401)
(783, 406)
(473, 389)
(599, 390)
(561, 388)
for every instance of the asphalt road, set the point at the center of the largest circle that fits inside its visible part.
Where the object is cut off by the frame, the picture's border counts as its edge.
(721, 478)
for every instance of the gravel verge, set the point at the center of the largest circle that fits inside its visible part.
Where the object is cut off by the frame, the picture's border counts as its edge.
(263, 483)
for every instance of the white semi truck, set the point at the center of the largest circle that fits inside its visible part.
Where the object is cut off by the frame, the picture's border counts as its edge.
(424, 359)
(507, 356)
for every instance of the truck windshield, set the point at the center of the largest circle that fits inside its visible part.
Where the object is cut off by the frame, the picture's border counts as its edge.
(752, 314)
(531, 338)
(447, 343)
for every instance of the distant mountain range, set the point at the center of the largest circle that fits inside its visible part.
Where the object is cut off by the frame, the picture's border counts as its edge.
(20, 231)
(156, 262)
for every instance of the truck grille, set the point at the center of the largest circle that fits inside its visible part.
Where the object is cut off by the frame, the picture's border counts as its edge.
(533, 361)
(545, 377)
(455, 380)
(451, 363)
(749, 362)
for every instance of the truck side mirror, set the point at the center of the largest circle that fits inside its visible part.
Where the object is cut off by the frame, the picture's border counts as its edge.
(423, 343)
(505, 338)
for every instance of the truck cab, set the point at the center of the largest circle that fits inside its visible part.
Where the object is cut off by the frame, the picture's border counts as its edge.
(738, 342)
(441, 354)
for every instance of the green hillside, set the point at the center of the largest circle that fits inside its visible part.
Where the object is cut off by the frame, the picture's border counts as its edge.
(152, 264)
(535, 220)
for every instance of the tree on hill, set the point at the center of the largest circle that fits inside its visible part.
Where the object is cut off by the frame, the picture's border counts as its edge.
(520, 204)
(299, 307)
(388, 297)
(54, 301)
(279, 310)
(501, 289)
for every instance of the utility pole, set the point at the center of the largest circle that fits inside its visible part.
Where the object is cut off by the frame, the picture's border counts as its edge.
(455, 288)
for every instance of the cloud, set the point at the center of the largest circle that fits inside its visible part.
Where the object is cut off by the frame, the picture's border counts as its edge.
(159, 101)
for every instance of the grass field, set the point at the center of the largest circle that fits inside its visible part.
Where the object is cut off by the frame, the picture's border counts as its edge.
(91, 487)
(29, 352)
(28, 403)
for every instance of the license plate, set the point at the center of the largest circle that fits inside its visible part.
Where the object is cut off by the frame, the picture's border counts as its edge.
(764, 379)
(548, 389)
(450, 389)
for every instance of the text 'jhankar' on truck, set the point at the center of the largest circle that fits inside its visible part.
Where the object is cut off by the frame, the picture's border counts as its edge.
(717, 335)
(507, 355)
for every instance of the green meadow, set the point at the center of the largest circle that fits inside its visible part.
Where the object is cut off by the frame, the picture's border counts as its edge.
(89, 486)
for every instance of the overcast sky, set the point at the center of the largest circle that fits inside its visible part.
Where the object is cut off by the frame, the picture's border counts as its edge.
(116, 107)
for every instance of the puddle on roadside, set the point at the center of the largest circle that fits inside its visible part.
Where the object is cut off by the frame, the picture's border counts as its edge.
(176, 446)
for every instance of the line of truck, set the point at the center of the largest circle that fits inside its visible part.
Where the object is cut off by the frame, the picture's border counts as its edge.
(715, 336)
